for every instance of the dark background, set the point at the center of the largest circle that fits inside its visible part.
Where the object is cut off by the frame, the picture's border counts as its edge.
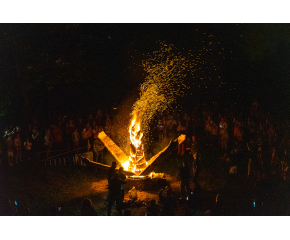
(47, 69)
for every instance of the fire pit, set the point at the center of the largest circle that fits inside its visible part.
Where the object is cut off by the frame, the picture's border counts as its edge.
(152, 181)
(139, 171)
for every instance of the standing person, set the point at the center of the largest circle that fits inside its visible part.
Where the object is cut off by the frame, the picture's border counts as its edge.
(223, 133)
(17, 144)
(98, 153)
(99, 117)
(112, 170)
(214, 134)
(71, 125)
(48, 141)
(90, 137)
(28, 151)
(9, 144)
(196, 159)
(35, 137)
(84, 140)
(194, 148)
(251, 160)
(181, 129)
(80, 125)
(57, 136)
(75, 138)
(184, 175)
(236, 132)
(114, 193)
(111, 173)
(96, 132)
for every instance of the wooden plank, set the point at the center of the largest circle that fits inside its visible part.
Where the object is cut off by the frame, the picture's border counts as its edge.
(118, 154)
(162, 155)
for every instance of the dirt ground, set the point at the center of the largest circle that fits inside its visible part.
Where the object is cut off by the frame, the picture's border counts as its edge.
(139, 206)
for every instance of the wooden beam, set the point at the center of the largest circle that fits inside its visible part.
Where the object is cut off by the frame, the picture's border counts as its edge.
(118, 154)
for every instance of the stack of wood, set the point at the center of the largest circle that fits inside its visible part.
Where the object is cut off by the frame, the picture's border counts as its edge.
(137, 162)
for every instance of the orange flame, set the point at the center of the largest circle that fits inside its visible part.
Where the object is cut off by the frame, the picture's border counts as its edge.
(135, 134)
(136, 140)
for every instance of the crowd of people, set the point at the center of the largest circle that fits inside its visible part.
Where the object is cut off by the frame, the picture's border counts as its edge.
(249, 142)
(37, 141)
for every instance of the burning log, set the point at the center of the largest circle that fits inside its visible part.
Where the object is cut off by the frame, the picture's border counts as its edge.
(162, 155)
(118, 154)
(136, 163)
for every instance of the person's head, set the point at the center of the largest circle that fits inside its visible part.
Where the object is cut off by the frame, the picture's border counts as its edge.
(86, 203)
(121, 169)
(97, 128)
(193, 138)
(114, 164)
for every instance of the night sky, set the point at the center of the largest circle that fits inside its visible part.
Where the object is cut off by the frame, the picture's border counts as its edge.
(57, 68)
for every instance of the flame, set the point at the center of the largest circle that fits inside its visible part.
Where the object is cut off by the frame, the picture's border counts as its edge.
(135, 134)
(136, 140)
(125, 165)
